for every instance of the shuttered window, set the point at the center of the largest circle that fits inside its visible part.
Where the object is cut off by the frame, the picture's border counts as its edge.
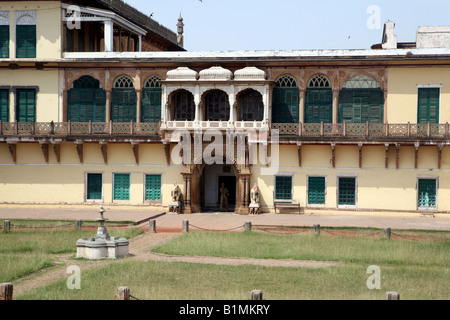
(26, 41)
(151, 105)
(316, 190)
(347, 191)
(318, 107)
(152, 187)
(285, 105)
(87, 104)
(94, 186)
(26, 105)
(361, 105)
(123, 105)
(4, 41)
(217, 106)
(428, 105)
(183, 106)
(251, 107)
(4, 105)
(427, 193)
(121, 187)
(283, 188)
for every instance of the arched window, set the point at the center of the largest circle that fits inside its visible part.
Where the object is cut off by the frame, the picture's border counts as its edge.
(183, 106)
(123, 100)
(285, 108)
(86, 101)
(151, 100)
(250, 106)
(217, 106)
(319, 100)
(361, 100)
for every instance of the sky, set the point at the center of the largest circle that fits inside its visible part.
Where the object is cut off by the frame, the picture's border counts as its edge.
(224, 25)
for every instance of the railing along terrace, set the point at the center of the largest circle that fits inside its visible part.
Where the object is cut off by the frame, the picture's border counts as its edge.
(364, 130)
(78, 129)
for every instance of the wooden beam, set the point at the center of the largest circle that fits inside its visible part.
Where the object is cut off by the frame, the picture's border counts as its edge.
(333, 154)
(440, 146)
(386, 155)
(79, 146)
(57, 150)
(13, 151)
(135, 147)
(416, 155)
(167, 152)
(397, 156)
(104, 150)
(360, 154)
(44, 148)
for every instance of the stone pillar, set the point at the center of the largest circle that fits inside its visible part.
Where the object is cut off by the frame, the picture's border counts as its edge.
(197, 100)
(108, 106)
(335, 105)
(138, 105)
(187, 192)
(232, 101)
(301, 107)
(109, 36)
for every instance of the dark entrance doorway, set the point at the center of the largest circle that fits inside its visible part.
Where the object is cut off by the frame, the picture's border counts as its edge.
(230, 184)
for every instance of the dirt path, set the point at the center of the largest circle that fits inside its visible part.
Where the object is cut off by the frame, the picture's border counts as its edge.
(140, 249)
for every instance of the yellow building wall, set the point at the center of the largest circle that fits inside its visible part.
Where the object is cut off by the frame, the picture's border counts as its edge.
(48, 28)
(402, 99)
(47, 101)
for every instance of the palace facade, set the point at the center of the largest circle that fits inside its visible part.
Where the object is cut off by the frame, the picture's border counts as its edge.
(91, 114)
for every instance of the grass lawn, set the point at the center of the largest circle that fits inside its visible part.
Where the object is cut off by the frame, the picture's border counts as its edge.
(25, 252)
(417, 270)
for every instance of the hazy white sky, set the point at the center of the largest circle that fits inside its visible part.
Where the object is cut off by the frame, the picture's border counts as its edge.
(293, 24)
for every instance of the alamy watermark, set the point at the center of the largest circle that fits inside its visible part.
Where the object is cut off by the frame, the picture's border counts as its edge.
(73, 17)
(373, 22)
(74, 281)
(374, 280)
(251, 147)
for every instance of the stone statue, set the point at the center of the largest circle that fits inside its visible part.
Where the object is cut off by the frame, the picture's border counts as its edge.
(224, 198)
(175, 193)
(255, 199)
(175, 205)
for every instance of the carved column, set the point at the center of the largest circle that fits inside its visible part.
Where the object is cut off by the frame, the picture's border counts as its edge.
(187, 192)
(138, 105)
(108, 105)
(335, 105)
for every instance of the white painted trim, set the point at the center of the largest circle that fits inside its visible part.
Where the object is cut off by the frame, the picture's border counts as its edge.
(437, 86)
(346, 175)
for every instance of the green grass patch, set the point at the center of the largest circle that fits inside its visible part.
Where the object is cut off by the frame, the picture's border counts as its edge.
(25, 252)
(311, 247)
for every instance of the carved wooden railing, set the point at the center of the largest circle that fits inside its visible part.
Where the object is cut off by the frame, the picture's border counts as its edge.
(363, 130)
(78, 129)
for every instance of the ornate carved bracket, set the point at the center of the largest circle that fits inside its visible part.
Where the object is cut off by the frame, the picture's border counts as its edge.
(135, 147)
(13, 151)
(57, 150)
(104, 150)
(44, 148)
(79, 146)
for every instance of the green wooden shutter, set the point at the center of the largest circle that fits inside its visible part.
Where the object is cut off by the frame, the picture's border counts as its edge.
(347, 191)
(361, 105)
(26, 41)
(151, 105)
(318, 107)
(428, 105)
(4, 105)
(26, 105)
(152, 187)
(121, 187)
(316, 190)
(283, 188)
(427, 193)
(285, 105)
(4, 41)
(94, 191)
(123, 105)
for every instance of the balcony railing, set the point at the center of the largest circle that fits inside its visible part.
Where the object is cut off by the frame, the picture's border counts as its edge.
(192, 125)
(364, 130)
(78, 129)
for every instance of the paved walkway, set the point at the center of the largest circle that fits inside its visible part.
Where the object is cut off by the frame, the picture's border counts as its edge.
(225, 221)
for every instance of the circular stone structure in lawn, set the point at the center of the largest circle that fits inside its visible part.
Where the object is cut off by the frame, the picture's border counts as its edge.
(102, 246)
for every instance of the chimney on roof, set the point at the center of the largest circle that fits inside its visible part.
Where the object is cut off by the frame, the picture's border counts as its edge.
(180, 28)
(389, 38)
